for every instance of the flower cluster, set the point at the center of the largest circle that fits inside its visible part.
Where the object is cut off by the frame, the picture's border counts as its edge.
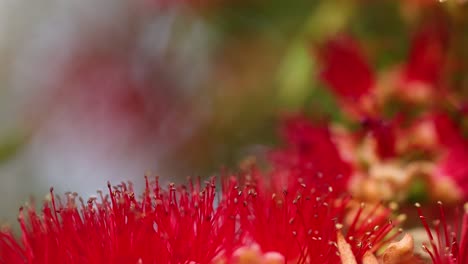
(256, 217)
(405, 123)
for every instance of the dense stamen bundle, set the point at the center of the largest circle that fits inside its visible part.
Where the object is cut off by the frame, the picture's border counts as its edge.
(447, 243)
(164, 226)
(298, 222)
(301, 221)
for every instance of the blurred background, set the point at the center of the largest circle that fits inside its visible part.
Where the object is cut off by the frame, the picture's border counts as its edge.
(105, 90)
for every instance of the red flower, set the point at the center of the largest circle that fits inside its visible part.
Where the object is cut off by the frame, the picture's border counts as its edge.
(173, 226)
(449, 244)
(299, 222)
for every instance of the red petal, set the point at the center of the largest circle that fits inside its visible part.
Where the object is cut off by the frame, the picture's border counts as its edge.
(345, 68)
(428, 54)
(448, 133)
(384, 134)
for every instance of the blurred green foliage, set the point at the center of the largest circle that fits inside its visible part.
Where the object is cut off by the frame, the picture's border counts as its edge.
(11, 144)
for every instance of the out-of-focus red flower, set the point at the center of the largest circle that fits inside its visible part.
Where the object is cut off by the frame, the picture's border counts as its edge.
(311, 153)
(384, 134)
(428, 54)
(441, 140)
(434, 132)
(348, 74)
(346, 69)
(107, 90)
(423, 71)
(448, 133)
(105, 108)
(454, 166)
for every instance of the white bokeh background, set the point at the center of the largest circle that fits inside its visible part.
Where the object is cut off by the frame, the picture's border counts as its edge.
(75, 139)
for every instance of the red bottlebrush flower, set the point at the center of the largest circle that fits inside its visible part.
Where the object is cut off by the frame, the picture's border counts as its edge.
(175, 226)
(300, 223)
(346, 69)
(303, 222)
(448, 244)
(311, 151)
